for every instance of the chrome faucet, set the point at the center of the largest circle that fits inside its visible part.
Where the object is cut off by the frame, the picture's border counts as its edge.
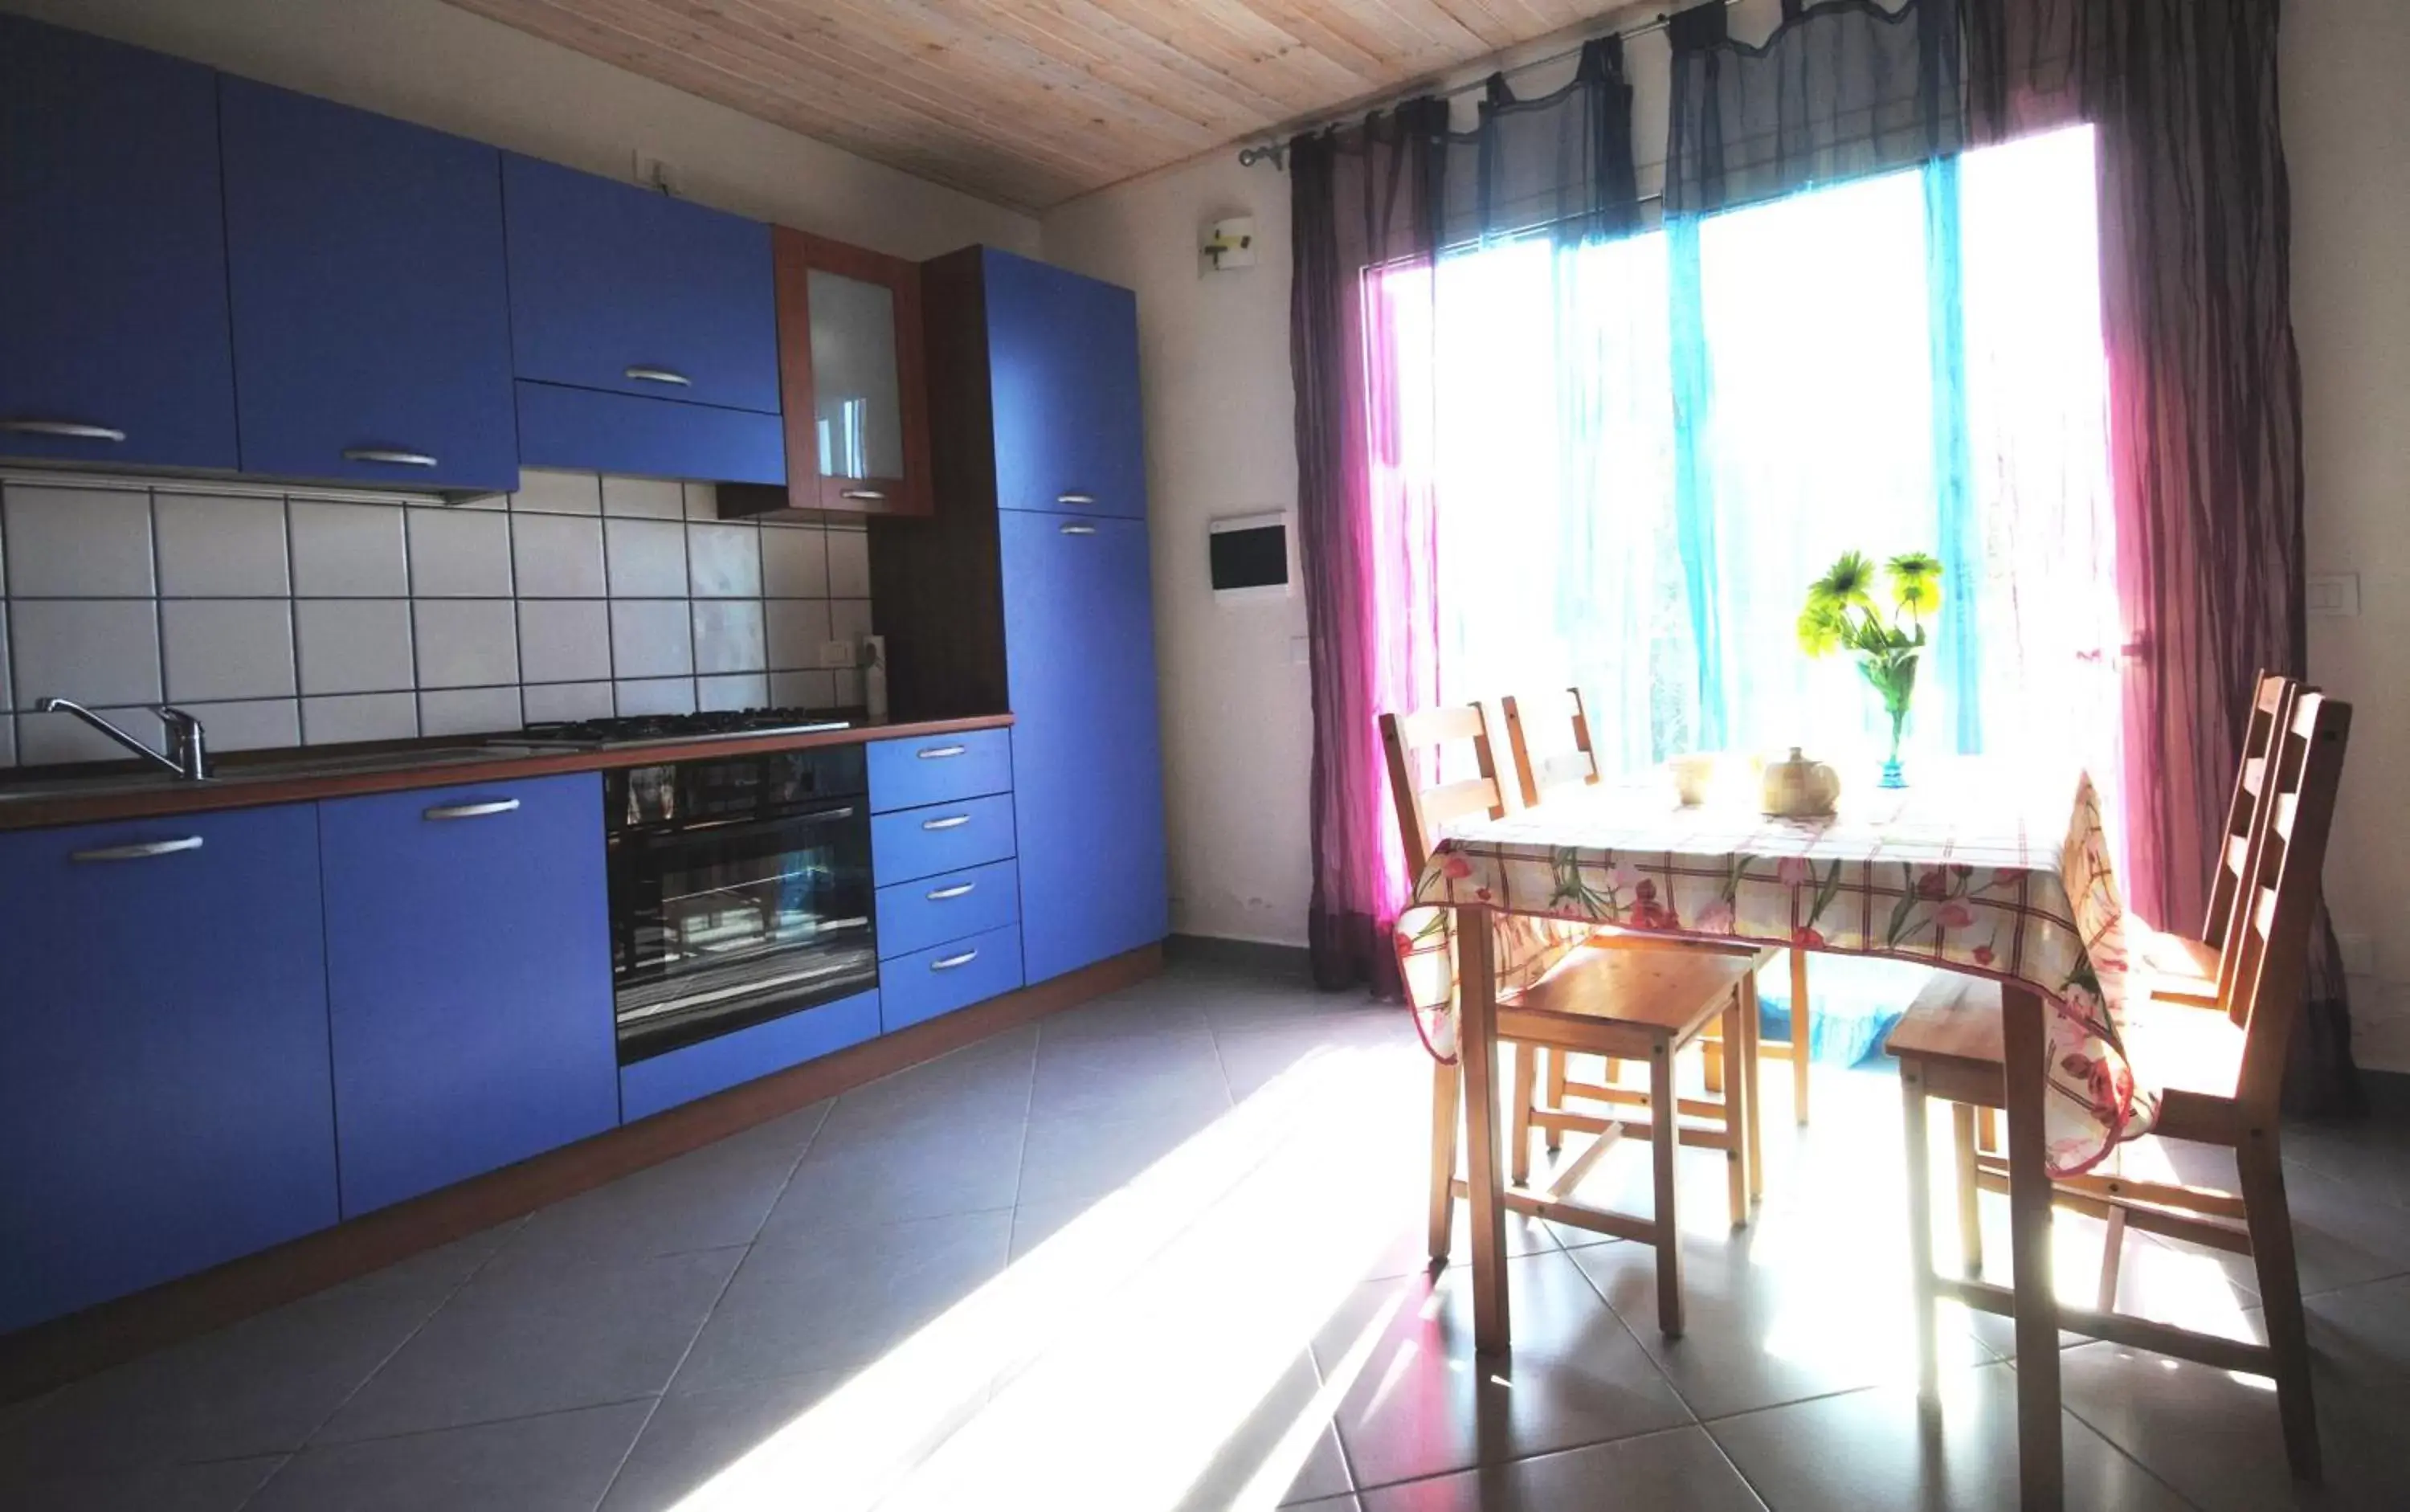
(190, 760)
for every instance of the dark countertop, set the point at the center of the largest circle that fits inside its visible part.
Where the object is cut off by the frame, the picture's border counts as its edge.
(247, 780)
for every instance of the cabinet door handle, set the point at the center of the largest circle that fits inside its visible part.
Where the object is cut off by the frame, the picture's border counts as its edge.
(952, 961)
(68, 429)
(381, 454)
(871, 496)
(473, 810)
(1075, 499)
(934, 753)
(958, 890)
(142, 850)
(951, 821)
(660, 375)
(1079, 530)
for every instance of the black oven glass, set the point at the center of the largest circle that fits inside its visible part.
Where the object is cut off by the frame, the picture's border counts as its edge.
(740, 892)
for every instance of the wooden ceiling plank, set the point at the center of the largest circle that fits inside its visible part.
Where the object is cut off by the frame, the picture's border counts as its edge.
(1241, 41)
(1135, 61)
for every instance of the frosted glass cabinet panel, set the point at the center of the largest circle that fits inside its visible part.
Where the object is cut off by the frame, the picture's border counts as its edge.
(857, 404)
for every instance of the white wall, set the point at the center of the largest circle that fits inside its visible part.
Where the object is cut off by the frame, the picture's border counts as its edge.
(2347, 144)
(424, 61)
(1213, 360)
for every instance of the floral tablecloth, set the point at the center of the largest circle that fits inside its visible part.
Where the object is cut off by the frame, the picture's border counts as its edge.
(1976, 867)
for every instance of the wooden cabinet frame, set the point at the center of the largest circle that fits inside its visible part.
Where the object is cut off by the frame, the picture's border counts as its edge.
(795, 254)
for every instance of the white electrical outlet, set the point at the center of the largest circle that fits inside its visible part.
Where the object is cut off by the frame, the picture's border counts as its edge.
(838, 654)
(2334, 595)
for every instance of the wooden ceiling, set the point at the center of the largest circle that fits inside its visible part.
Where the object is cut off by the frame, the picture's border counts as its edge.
(1031, 102)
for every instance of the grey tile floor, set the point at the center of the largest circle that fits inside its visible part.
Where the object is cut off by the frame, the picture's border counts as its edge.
(1164, 1252)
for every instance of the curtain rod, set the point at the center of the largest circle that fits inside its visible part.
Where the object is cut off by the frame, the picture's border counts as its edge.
(1276, 153)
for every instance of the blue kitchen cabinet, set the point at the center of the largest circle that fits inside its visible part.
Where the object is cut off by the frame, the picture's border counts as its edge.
(1087, 761)
(913, 843)
(926, 984)
(1063, 377)
(372, 309)
(619, 288)
(697, 1070)
(469, 980)
(927, 769)
(587, 431)
(114, 343)
(164, 1091)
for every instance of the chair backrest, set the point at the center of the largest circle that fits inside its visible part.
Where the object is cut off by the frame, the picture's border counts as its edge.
(2247, 819)
(2279, 900)
(1424, 812)
(1558, 769)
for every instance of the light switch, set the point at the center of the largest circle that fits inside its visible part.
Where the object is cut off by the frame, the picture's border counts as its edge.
(838, 654)
(2334, 595)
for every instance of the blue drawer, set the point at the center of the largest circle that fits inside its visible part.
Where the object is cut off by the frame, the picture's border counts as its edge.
(947, 977)
(591, 431)
(922, 842)
(698, 1070)
(905, 773)
(913, 916)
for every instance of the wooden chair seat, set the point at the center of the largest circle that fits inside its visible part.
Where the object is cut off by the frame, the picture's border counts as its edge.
(1670, 994)
(1955, 1024)
(2179, 969)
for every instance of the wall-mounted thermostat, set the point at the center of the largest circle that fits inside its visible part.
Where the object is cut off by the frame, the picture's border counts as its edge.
(1249, 556)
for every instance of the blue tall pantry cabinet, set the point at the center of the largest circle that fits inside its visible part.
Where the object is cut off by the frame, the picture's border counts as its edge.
(114, 347)
(1029, 591)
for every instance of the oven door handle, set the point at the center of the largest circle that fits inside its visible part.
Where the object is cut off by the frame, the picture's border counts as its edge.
(673, 831)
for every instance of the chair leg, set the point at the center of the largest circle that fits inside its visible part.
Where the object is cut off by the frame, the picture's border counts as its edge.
(1987, 1123)
(1970, 1212)
(1557, 1059)
(1801, 1037)
(2113, 1255)
(1665, 1140)
(1920, 1228)
(1712, 1051)
(1447, 1088)
(1737, 1118)
(1752, 1052)
(1518, 1123)
(2270, 1223)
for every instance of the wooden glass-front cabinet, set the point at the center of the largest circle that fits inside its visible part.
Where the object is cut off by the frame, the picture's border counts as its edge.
(850, 383)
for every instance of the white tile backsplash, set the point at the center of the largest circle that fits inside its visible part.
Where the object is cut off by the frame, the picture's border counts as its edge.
(454, 555)
(468, 711)
(651, 638)
(226, 648)
(849, 619)
(45, 738)
(335, 721)
(849, 560)
(78, 543)
(724, 561)
(467, 643)
(279, 620)
(352, 645)
(220, 547)
(564, 640)
(643, 498)
(646, 558)
(348, 551)
(98, 652)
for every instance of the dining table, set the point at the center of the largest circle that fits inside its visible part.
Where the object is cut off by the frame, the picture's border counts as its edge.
(1995, 869)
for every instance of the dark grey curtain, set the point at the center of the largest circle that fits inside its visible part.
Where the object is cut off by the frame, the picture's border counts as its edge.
(1392, 192)
(1840, 90)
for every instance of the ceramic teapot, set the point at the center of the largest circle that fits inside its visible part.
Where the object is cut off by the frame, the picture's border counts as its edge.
(1799, 788)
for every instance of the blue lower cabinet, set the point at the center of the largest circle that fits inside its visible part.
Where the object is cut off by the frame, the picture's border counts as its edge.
(588, 430)
(164, 1091)
(469, 980)
(915, 915)
(914, 843)
(698, 1070)
(943, 977)
(906, 774)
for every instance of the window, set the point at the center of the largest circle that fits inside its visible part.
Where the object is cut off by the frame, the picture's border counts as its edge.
(1635, 455)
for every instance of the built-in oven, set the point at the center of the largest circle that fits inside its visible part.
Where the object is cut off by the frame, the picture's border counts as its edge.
(740, 893)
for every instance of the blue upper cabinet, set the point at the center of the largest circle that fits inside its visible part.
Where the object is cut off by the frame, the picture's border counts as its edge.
(371, 313)
(469, 978)
(1087, 763)
(113, 338)
(617, 288)
(1063, 369)
(163, 1094)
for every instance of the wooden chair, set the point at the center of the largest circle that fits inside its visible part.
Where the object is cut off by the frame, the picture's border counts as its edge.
(2187, 970)
(2220, 1070)
(1552, 773)
(1644, 1005)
